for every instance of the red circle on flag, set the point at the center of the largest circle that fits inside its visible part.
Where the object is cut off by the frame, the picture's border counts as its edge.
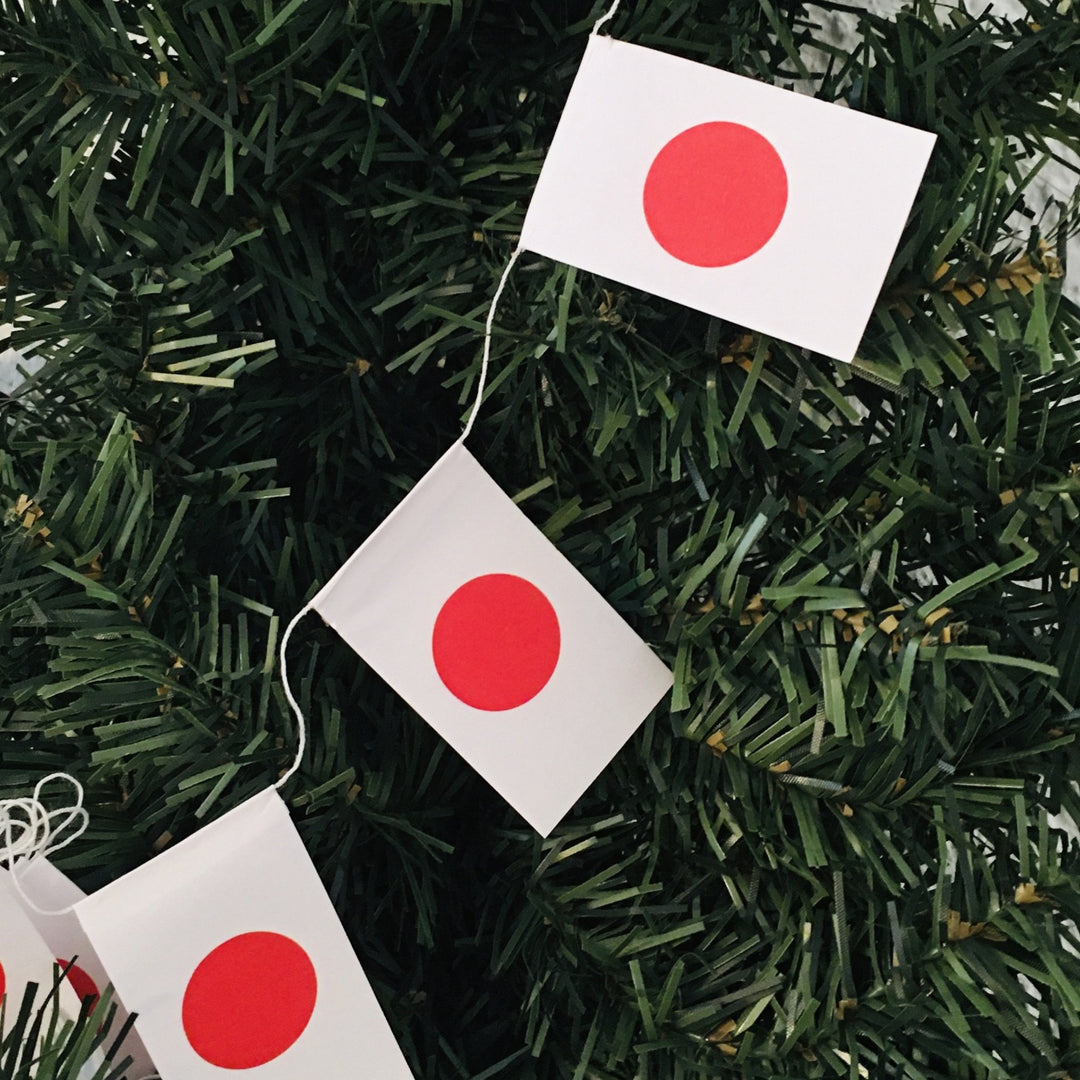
(81, 983)
(496, 642)
(249, 1000)
(715, 194)
(3, 981)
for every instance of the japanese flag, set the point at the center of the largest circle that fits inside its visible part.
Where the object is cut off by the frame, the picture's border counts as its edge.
(24, 959)
(752, 203)
(462, 605)
(52, 890)
(231, 955)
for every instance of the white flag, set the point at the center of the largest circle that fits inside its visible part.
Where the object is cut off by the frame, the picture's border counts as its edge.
(772, 209)
(52, 890)
(24, 959)
(229, 952)
(462, 605)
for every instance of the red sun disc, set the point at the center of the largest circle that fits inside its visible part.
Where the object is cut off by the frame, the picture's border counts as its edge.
(249, 1000)
(496, 642)
(81, 983)
(715, 194)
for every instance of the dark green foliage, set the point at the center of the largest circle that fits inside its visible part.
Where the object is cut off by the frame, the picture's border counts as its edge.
(40, 1043)
(256, 241)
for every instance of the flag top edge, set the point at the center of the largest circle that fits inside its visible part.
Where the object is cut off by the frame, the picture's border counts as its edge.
(598, 42)
(268, 800)
(328, 588)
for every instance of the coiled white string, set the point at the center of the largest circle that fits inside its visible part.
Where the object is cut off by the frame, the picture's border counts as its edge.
(29, 829)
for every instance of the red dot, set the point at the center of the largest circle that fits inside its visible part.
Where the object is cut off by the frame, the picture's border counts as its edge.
(496, 642)
(81, 983)
(249, 1000)
(715, 194)
(3, 981)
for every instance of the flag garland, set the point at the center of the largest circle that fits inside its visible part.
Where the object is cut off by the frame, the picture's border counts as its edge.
(451, 677)
(226, 947)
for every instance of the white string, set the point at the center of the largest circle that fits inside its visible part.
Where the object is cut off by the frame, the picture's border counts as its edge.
(609, 14)
(37, 834)
(301, 724)
(486, 361)
(31, 830)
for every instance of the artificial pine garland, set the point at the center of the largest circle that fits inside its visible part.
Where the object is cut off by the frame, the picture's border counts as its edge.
(255, 242)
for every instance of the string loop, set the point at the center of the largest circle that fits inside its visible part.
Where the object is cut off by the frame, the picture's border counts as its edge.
(30, 830)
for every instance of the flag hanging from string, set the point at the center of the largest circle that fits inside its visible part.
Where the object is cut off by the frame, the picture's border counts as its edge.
(752, 203)
(25, 958)
(229, 951)
(462, 605)
(53, 896)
